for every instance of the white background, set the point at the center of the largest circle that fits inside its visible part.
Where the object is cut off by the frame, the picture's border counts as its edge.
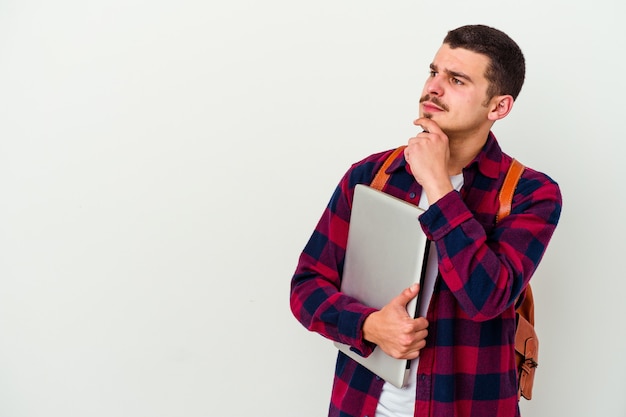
(163, 163)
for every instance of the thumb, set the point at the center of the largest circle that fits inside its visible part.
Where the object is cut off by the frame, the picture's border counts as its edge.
(406, 295)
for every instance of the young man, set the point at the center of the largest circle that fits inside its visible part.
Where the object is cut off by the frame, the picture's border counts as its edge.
(464, 346)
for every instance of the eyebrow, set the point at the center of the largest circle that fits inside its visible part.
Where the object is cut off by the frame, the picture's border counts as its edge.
(452, 73)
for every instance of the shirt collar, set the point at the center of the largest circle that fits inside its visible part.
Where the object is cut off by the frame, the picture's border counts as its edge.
(489, 159)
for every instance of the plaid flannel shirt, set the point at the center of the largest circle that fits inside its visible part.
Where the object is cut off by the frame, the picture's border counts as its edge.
(467, 368)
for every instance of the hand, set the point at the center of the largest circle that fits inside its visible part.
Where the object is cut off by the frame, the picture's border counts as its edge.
(394, 331)
(428, 155)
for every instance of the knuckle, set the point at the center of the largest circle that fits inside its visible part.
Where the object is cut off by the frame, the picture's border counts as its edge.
(405, 341)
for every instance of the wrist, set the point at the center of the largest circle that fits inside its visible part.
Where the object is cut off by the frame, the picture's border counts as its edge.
(368, 329)
(437, 191)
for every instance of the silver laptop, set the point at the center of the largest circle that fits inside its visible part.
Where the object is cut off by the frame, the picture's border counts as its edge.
(386, 253)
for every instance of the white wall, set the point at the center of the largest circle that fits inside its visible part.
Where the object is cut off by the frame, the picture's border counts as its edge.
(162, 164)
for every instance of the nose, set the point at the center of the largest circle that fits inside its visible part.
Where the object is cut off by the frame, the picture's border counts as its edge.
(433, 86)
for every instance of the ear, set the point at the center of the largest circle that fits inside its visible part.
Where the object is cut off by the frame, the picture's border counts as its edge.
(500, 106)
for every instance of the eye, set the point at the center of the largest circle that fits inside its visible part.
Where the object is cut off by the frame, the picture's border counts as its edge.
(433, 73)
(456, 81)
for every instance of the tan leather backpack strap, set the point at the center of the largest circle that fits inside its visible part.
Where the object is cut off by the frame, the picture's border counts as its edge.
(505, 198)
(526, 341)
(382, 177)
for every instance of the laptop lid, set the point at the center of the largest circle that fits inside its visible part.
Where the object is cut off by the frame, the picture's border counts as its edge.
(386, 253)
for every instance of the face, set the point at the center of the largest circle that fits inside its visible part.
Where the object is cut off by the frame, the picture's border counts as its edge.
(455, 93)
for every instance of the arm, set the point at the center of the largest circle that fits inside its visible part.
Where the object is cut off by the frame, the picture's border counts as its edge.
(315, 298)
(487, 273)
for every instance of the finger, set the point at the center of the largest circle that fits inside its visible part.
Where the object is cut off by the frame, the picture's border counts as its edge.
(420, 123)
(416, 141)
(421, 324)
(406, 295)
(421, 335)
(412, 351)
(429, 125)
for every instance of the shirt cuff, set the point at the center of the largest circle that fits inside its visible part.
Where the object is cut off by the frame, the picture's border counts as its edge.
(443, 216)
(351, 330)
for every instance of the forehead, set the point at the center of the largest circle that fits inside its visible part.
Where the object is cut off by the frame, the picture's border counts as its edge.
(460, 60)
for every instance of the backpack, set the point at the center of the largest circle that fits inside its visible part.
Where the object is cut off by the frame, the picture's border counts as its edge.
(526, 341)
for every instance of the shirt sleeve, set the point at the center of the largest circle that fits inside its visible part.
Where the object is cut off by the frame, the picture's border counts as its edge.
(315, 298)
(487, 272)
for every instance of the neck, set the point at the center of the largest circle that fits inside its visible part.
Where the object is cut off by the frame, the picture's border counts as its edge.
(464, 148)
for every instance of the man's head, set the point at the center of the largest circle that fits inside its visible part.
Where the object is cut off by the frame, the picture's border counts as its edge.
(507, 66)
(474, 80)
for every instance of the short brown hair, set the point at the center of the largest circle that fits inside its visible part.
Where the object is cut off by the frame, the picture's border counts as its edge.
(507, 69)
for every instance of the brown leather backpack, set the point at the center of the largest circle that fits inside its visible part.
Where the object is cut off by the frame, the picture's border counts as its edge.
(526, 341)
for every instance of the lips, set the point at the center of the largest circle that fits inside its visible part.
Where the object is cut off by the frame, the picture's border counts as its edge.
(432, 104)
(430, 107)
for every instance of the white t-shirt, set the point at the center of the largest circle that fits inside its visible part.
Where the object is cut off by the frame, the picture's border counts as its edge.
(400, 402)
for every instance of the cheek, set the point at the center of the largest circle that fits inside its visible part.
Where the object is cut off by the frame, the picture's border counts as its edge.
(473, 106)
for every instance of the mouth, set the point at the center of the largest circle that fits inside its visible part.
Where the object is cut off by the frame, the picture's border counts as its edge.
(430, 107)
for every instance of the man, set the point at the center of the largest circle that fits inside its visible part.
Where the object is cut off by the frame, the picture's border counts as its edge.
(464, 346)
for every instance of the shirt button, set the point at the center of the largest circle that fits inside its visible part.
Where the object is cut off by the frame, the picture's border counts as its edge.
(412, 195)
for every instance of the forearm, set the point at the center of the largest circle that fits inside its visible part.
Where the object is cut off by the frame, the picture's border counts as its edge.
(487, 272)
(317, 303)
(316, 299)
